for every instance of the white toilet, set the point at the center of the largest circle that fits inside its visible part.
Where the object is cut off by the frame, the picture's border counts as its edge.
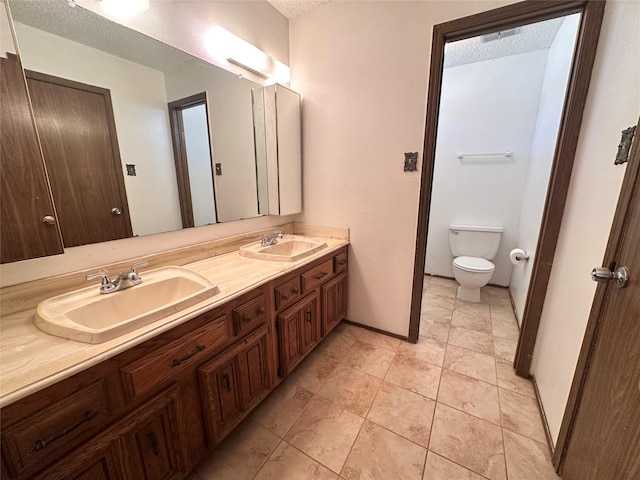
(473, 247)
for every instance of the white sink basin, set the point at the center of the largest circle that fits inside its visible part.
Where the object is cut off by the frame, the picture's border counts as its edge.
(87, 316)
(288, 249)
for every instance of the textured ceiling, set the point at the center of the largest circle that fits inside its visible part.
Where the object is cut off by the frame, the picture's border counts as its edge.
(532, 37)
(87, 28)
(295, 8)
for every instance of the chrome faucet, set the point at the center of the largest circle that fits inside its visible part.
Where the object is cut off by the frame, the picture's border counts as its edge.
(271, 239)
(123, 281)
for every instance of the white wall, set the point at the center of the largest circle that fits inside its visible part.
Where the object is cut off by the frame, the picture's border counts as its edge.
(181, 24)
(196, 139)
(231, 125)
(142, 123)
(362, 70)
(488, 106)
(613, 105)
(544, 143)
(6, 39)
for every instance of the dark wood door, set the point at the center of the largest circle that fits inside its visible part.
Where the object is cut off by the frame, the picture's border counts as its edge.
(309, 324)
(78, 136)
(25, 199)
(97, 461)
(604, 443)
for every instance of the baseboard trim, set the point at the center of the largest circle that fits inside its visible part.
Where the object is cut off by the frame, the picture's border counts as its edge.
(377, 330)
(543, 416)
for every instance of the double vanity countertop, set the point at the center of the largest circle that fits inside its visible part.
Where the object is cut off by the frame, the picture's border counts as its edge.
(31, 360)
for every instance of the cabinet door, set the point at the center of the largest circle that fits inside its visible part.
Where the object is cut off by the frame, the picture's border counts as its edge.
(98, 461)
(298, 332)
(221, 396)
(334, 302)
(151, 441)
(255, 375)
(310, 325)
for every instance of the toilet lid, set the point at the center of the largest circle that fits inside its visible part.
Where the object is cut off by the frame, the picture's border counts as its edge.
(474, 264)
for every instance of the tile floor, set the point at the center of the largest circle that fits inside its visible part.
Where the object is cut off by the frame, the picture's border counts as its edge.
(368, 406)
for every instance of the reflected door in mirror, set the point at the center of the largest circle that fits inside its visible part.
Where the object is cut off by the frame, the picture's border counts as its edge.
(77, 131)
(25, 196)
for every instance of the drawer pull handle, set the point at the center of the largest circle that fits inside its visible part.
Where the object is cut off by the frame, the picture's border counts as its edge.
(178, 361)
(294, 291)
(42, 443)
(308, 316)
(261, 311)
(246, 319)
(226, 382)
(154, 444)
(342, 262)
(285, 297)
(323, 274)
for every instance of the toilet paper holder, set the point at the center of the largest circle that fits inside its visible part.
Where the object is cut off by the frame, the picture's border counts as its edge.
(518, 255)
(522, 257)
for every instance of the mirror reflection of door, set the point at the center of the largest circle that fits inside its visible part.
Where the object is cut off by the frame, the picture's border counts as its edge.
(192, 152)
(77, 130)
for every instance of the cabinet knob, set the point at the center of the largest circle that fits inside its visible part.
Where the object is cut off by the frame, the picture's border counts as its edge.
(49, 220)
(116, 211)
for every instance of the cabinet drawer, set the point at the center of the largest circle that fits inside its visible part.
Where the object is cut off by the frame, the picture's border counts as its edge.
(42, 438)
(340, 262)
(158, 367)
(249, 315)
(287, 293)
(317, 275)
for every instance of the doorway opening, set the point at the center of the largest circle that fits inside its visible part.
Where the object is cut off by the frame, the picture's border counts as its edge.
(189, 119)
(500, 25)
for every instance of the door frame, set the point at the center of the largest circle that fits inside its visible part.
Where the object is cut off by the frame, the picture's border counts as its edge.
(575, 98)
(180, 155)
(113, 134)
(631, 177)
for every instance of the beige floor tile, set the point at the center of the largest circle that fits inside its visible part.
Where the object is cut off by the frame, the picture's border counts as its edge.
(473, 309)
(414, 375)
(472, 396)
(527, 459)
(471, 340)
(471, 321)
(287, 462)
(325, 432)
(335, 345)
(349, 330)
(520, 414)
(484, 299)
(508, 379)
(381, 454)
(313, 372)
(505, 327)
(380, 340)
(368, 358)
(473, 364)
(434, 330)
(449, 283)
(282, 407)
(500, 302)
(468, 441)
(439, 468)
(241, 455)
(505, 348)
(351, 389)
(426, 350)
(497, 292)
(403, 412)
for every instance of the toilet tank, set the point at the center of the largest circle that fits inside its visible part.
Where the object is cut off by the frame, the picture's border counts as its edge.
(474, 240)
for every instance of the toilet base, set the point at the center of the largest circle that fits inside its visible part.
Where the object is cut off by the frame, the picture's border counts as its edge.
(468, 294)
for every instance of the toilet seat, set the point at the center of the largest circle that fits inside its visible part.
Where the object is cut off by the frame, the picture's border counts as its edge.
(474, 264)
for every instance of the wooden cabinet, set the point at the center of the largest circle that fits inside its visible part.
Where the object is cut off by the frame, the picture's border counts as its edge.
(156, 410)
(234, 383)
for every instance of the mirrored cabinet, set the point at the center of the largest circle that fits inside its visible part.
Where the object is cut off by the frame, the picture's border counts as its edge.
(134, 137)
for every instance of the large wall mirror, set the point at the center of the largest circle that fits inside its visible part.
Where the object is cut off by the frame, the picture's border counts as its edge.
(138, 137)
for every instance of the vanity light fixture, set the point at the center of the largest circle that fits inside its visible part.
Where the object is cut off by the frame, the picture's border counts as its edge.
(225, 46)
(124, 8)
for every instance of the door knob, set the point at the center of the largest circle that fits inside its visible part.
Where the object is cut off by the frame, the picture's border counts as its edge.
(116, 211)
(49, 220)
(603, 275)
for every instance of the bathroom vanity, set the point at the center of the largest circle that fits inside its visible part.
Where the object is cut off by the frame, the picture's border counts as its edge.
(154, 403)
